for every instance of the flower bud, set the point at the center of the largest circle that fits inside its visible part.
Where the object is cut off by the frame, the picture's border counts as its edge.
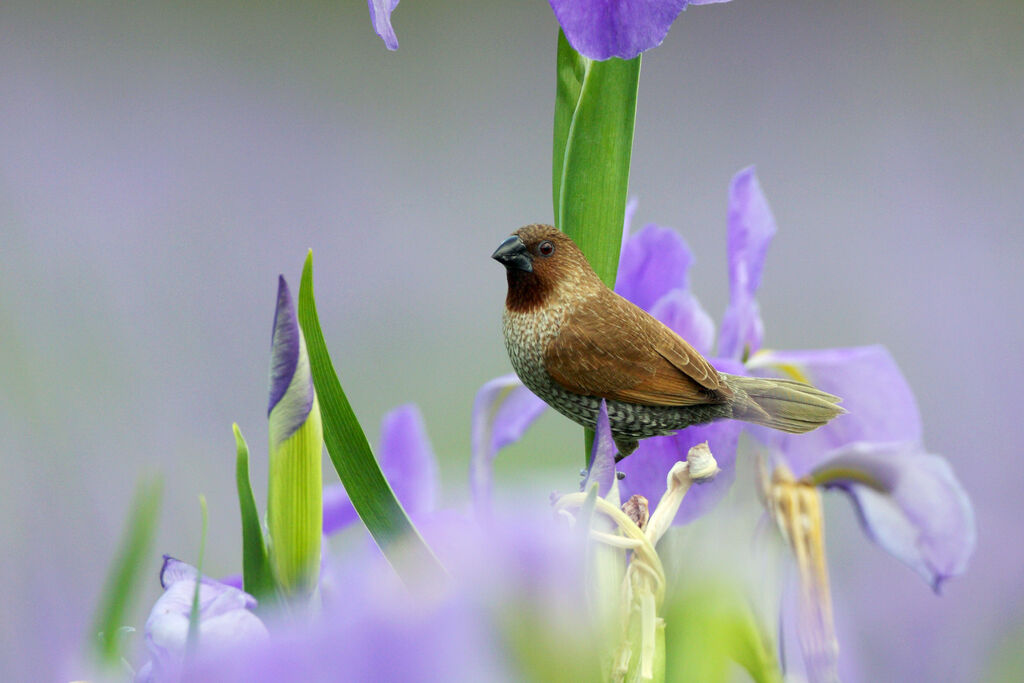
(294, 506)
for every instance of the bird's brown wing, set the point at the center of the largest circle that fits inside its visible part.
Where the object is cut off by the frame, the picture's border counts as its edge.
(612, 349)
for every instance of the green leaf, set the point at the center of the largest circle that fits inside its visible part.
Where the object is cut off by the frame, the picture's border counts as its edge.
(257, 577)
(369, 491)
(595, 109)
(121, 588)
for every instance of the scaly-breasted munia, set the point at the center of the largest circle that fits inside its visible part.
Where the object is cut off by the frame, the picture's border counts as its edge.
(573, 341)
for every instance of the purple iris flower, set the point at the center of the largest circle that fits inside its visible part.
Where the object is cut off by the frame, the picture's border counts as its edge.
(600, 29)
(225, 621)
(515, 602)
(901, 511)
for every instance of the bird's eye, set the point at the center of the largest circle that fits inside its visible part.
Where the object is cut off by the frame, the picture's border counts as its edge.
(546, 248)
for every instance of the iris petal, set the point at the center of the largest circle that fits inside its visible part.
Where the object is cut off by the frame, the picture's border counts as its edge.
(224, 619)
(680, 311)
(380, 16)
(654, 262)
(880, 405)
(909, 502)
(600, 29)
(602, 456)
(751, 228)
(502, 412)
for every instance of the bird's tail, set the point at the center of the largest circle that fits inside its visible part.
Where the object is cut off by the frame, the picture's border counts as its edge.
(783, 404)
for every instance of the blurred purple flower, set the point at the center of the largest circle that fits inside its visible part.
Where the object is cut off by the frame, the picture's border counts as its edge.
(502, 412)
(380, 16)
(407, 462)
(600, 29)
(514, 601)
(225, 621)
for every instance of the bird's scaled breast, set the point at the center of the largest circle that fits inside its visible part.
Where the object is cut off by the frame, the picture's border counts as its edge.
(527, 336)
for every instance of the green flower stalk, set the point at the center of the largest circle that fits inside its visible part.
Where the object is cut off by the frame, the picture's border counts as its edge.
(294, 500)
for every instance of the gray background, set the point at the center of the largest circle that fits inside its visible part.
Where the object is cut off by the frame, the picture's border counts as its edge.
(159, 166)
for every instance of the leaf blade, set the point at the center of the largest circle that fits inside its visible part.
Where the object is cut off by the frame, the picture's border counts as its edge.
(370, 493)
(124, 578)
(257, 577)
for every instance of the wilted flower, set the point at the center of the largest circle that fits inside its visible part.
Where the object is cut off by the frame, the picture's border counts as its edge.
(600, 30)
(630, 599)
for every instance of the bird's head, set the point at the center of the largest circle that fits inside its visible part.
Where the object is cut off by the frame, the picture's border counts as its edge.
(543, 262)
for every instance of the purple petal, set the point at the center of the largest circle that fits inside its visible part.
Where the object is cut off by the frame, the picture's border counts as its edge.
(654, 261)
(502, 411)
(519, 566)
(338, 510)
(600, 29)
(909, 502)
(751, 228)
(602, 456)
(407, 459)
(880, 405)
(224, 619)
(284, 344)
(380, 16)
(175, 571)
(806, 634)
(291, 385)
(646, 468)
(680, 310)
(233, 580)
(407, 462)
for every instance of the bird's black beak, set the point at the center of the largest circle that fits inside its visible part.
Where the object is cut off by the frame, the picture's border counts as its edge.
(512, 253)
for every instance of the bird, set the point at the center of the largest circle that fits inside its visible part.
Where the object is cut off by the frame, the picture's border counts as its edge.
(574, 342)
